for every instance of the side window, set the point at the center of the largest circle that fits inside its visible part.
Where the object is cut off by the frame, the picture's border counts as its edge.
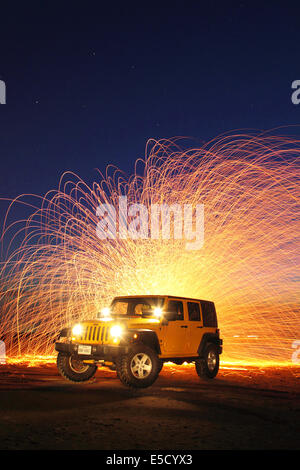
(209, 313)
(175, 310)
(194, 311)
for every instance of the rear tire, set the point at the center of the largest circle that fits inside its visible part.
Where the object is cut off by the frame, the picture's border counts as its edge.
(73, 369)
(207, 366)
(139, 368)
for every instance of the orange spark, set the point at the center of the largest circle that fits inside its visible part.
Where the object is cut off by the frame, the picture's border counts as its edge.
(249, 184)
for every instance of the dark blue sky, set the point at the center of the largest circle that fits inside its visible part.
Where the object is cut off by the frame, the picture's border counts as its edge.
(89, 82)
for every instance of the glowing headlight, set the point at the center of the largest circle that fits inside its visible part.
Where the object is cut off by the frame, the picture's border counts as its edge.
(77, 330)
(105, 312)
(116, 331)
(157, 312)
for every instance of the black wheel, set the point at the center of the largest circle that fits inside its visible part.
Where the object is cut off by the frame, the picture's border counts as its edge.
(74, 369)
(208, 365)
(160, 366)
(139, 368)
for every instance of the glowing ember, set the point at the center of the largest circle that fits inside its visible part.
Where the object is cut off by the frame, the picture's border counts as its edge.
(249, 185)
(28, 360)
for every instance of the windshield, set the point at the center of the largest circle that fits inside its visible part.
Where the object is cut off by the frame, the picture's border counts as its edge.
(136, 307)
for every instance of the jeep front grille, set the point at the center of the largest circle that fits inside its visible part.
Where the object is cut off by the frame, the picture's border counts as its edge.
(95, 334)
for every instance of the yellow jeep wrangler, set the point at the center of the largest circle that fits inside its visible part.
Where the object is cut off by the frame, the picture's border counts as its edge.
(137, 334)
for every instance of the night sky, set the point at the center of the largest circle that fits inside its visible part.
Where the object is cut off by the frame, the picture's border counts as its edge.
(89, 82)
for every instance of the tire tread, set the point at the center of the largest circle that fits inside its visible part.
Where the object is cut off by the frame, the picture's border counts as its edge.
(67, 373)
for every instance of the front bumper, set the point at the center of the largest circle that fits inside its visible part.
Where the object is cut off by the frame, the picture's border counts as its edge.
(99, 352)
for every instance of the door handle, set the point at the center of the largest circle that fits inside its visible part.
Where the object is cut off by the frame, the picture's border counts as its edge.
(183, 326)
(199, 326)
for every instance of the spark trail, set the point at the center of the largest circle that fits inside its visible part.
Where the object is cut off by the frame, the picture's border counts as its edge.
(249, 265)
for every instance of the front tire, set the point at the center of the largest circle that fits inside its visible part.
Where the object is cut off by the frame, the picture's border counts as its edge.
(73, 369)
(207, 366)
(160, 366)
(139, 368)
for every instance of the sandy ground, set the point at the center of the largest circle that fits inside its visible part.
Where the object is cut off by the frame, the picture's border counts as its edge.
(250, 408)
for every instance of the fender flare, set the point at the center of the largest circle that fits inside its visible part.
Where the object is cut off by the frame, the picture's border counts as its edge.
(147, 337)
(209, 338)
(65, 332)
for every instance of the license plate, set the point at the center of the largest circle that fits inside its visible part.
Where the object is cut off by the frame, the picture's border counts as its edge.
(83, 349)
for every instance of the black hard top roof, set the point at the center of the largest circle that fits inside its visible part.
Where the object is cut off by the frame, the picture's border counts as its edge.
(169, 296)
